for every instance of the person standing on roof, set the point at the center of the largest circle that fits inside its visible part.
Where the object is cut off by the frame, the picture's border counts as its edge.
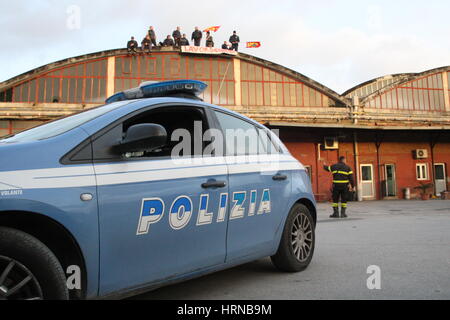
(152, 34)
(197, 36)
(177, 36)
(234, 40)
(209, 40)
(342, 180)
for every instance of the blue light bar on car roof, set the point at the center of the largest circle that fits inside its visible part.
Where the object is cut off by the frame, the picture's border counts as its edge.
(160, 89)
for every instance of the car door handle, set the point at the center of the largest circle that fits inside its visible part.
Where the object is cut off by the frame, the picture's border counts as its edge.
(214, 184)
(279, 177)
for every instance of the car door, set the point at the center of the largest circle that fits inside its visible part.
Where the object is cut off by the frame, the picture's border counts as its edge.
(259, 187)
(158, 218)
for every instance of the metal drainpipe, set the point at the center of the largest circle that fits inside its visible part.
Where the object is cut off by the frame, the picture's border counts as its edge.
(356, 169)
(432, 145)
(379, 196)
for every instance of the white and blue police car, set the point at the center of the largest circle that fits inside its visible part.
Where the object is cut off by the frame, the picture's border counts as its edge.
(152, 188)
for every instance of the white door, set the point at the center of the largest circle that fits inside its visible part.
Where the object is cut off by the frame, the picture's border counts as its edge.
(440, 178)
(367, 182)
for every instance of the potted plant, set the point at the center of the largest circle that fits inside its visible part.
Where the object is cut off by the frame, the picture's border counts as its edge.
(424, 190)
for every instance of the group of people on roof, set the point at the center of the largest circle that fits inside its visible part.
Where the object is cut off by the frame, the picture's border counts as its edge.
(178, 39)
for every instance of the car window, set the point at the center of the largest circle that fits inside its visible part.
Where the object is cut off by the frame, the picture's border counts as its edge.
(185, 128)
(243, 137)
(57, 127)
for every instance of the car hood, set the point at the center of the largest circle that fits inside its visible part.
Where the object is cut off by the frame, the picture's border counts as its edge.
(41, 154)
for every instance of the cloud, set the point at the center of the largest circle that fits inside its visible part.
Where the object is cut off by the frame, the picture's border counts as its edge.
(347, 56)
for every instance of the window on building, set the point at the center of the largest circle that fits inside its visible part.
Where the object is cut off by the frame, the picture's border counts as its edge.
(6, 96)
(4, 128)
(422, 171)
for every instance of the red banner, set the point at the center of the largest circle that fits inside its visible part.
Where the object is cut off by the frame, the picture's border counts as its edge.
(253, 44)
(213, 29)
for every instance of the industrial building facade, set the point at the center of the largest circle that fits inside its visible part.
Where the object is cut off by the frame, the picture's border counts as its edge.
(394, 130)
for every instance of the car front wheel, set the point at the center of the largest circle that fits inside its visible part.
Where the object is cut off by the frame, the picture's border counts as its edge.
(28, 269)
(297, 242)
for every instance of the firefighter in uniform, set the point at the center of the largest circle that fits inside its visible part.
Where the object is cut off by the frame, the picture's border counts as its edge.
(342, 179)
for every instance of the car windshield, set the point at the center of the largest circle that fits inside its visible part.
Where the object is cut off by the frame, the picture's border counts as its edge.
(57, 127)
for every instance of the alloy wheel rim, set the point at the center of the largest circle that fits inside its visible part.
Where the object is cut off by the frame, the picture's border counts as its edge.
(302, 237)
(17, 282)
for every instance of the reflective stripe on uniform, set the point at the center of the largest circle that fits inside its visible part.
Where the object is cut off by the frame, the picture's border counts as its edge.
(343, 172)
(341, 181)
(343, 205)
(335, 205)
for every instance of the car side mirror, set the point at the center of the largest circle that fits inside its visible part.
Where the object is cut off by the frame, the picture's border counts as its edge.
(141, 138)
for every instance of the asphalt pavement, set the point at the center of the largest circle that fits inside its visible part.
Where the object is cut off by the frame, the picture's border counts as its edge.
(405, 245)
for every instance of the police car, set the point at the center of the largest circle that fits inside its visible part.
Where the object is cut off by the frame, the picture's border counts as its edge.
(147, 190)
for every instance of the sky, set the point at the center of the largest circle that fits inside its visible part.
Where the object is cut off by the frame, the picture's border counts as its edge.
(339, 43)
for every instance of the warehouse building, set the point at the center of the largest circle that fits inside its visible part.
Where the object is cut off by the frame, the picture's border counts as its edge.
(394, 130)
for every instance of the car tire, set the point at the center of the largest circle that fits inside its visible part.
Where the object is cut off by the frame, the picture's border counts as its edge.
(23, 258)
(298, 240)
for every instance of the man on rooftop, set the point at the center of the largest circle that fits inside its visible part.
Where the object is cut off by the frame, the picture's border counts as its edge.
(168, 42)
(177, 36)
(184, 41)
(152, 34)
(146, 45)
(197, 36)
(234, 39)
(132, 46)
